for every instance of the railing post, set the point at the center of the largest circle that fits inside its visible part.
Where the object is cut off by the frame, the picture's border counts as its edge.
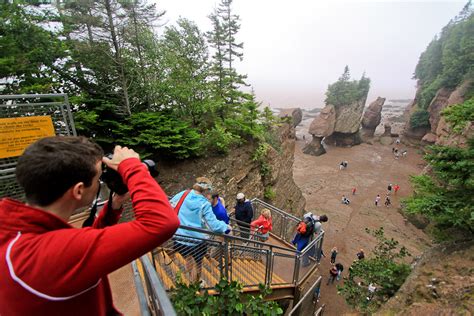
(282, 223)
(226, 259)
(269, 267)
(296, 272)
(320, 244)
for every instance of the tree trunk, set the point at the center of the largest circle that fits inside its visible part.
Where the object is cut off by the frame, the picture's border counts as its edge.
(118, 58)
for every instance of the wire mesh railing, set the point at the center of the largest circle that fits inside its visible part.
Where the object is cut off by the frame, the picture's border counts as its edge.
(284, 224)
(309, 258)
(200, 255)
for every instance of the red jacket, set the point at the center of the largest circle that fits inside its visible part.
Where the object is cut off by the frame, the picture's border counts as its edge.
(47, 267)
(263, 221)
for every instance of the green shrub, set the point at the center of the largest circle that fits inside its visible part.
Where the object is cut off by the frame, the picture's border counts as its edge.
(345, 91)
(230, 300)
(420, 118)
(260, 152)
(446, 196)
(428, 93)
(459, 115)
(219, 140)
(160, 133)
(269, 193)
(381, 269)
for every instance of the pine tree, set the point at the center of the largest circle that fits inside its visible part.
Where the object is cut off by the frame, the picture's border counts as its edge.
(185, 64)
(141, 19)
(226, 52)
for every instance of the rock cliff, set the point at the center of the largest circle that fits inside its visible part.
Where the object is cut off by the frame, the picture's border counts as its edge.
(440, 132)
(340, 126)
(296, 115)
(322, 126)
(372, 118)
(237, 172)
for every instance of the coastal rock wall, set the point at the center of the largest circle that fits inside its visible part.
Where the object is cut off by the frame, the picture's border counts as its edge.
(236, 172)
(372, 118)
(440, 132)
(296, 115)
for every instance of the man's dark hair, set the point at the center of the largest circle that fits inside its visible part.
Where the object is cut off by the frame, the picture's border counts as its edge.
(52, 165)
(323, 218)
(215, 195)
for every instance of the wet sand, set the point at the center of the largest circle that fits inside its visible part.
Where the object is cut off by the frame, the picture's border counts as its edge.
(370, 169)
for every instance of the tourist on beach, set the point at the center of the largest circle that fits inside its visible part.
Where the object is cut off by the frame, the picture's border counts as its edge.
(396, 188)
(377, 200)
(339, 268)
(263, 225)
(333, 254)
(397, 141)
(345, 200)
(393, 150)
(333, 272)
(354, 191)
(389, 189)
(341, 165)
(372, 290)
(387, 201)
(360, 255)
(345, 164)
(404, 153)
(243, 214)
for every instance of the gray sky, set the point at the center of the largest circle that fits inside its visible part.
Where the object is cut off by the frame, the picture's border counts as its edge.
(294, 49)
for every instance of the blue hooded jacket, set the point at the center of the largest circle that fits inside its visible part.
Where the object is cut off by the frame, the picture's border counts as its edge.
(220, 212)
(196, 211)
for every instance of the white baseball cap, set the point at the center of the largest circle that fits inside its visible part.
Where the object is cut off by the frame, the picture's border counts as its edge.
(240, 196)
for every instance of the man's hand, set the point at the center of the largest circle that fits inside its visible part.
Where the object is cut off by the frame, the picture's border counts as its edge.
(120, 154)
(119, 200)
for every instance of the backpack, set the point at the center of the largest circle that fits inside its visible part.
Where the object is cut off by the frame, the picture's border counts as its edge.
(306, 227)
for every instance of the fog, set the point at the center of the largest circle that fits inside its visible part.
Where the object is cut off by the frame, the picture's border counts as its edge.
(294, 49)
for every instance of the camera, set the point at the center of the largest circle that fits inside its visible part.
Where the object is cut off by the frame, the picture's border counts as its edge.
(114, 180)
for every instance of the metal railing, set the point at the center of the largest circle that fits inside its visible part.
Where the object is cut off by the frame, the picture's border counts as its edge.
(308, 304)
(198, 254)
(152, 297)
(284, 224)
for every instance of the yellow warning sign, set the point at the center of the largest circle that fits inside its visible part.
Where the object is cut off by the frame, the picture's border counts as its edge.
(17, 133)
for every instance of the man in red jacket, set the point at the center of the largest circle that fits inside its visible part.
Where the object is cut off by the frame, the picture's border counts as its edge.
(47, 267)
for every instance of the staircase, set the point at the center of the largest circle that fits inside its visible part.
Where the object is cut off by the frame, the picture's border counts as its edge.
(274, 263)
(247, 271)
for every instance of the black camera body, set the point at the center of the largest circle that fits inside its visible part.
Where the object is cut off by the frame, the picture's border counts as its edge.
(114, 180)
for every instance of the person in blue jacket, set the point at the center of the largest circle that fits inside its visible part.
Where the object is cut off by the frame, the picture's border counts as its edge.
(219, 209)
(196, 211)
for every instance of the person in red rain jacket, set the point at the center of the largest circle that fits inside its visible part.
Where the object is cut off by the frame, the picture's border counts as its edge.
(263, 224)
(47, 267)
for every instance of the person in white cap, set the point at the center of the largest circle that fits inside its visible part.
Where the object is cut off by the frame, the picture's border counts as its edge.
(243, 214)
